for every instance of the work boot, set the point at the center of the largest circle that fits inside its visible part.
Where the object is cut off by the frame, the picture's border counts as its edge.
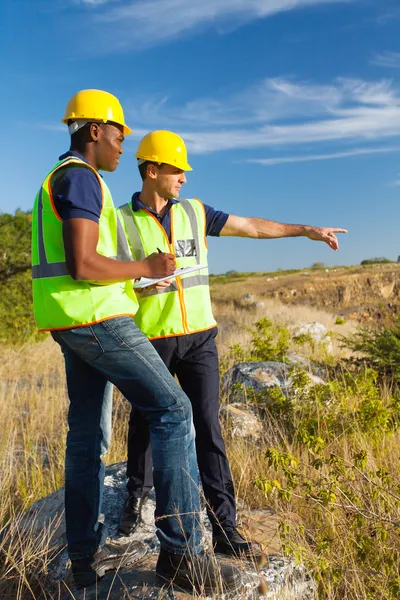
(198, 573)
(132, 514)
(109, 557)
(230, 542)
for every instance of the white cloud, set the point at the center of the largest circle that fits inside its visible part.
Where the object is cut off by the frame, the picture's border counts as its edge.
(160, 20)
(280, 112)
(390, 60)
(312, 157)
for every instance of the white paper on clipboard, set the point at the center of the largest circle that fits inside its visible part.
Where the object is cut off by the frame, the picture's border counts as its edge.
(144, 282)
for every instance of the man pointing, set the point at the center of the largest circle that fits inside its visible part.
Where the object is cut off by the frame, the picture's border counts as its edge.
(177, 318)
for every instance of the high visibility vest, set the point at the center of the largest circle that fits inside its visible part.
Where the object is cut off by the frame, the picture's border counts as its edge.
(185, 306)
(59, 301)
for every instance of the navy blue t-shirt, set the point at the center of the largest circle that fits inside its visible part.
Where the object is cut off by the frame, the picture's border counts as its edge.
(77, 192)
(215, 219)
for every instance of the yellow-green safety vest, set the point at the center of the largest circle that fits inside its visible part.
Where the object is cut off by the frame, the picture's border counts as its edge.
(59, 301)
(185, 306)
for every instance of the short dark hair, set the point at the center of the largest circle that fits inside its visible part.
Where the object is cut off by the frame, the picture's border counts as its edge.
(80, 137)
(143, 167)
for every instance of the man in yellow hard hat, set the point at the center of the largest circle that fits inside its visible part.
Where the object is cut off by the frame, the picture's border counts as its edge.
(177, 318)
(82, 283)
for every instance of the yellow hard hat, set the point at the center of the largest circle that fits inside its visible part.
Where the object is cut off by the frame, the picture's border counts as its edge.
(95, 105)
(164, 147)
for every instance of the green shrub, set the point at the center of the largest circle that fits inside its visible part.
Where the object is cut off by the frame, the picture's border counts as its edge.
(345, 497)
(17, 324)
(379, 347)
(376, 260)
(339, 320)
(269, 341)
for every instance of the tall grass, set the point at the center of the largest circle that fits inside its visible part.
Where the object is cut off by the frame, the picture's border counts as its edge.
(338, 499)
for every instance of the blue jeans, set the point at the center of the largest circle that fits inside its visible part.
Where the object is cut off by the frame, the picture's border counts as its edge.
(116, 351)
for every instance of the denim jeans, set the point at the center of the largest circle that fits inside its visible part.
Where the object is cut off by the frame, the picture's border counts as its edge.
(116, 351)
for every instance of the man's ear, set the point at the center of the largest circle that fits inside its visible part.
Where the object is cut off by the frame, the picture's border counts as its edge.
(151, 171)
(95, 131)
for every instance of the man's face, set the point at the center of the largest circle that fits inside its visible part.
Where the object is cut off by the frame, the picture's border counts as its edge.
(109, 139)
(168, 181)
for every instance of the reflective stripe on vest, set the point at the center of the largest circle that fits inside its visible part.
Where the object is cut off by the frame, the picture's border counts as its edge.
(59, 269)
(61, 302)
(184, 306)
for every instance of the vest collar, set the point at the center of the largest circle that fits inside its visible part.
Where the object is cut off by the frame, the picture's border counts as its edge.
(137, 204)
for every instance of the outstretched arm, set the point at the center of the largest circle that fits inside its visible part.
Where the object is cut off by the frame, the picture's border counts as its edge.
(253, 227)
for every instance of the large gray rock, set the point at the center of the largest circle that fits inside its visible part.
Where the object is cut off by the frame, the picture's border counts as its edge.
(273, 578)
(246, 378)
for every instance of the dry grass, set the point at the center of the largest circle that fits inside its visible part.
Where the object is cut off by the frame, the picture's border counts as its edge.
(33, 407)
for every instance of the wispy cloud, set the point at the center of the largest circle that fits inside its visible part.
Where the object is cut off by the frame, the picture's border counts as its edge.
(280, 113)
(390, 60)
(387, 17)
(160, 20)
(312, 157)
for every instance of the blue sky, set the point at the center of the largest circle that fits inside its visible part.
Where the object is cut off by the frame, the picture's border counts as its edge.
(290, 108)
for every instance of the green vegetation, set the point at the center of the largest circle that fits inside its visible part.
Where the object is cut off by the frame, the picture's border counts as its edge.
(328, 461)
(379, 348)
(318, 265)
(232, 276)
(16, 315)
(339, 320)
(376, 260)
(331, 469)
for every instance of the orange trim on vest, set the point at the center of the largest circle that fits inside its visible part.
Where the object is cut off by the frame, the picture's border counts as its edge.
(179, 283)
(65, 164)
(87, 324)
(162, 229)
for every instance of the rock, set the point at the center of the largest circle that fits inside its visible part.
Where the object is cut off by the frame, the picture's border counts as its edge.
(259, 305)
(318, 332)
(243, 422)
(299, 361)
(280, 576)
(296, 360)
(260, 377)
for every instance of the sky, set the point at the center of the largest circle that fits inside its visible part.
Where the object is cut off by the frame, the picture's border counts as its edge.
(290, 109)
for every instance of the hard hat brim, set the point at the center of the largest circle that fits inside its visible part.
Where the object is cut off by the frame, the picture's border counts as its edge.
(127, 130)
(186, 167)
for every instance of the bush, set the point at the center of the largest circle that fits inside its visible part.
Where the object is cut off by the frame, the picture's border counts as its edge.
(16, 307)
(379, 348)
(270, 341)
(339, 320)
(373, 261)
(327, 467)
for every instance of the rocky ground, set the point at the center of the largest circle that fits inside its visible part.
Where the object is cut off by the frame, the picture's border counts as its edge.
(269, 576)
(363, 293)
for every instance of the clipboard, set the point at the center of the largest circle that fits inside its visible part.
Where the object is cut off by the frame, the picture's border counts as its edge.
(145, 282)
